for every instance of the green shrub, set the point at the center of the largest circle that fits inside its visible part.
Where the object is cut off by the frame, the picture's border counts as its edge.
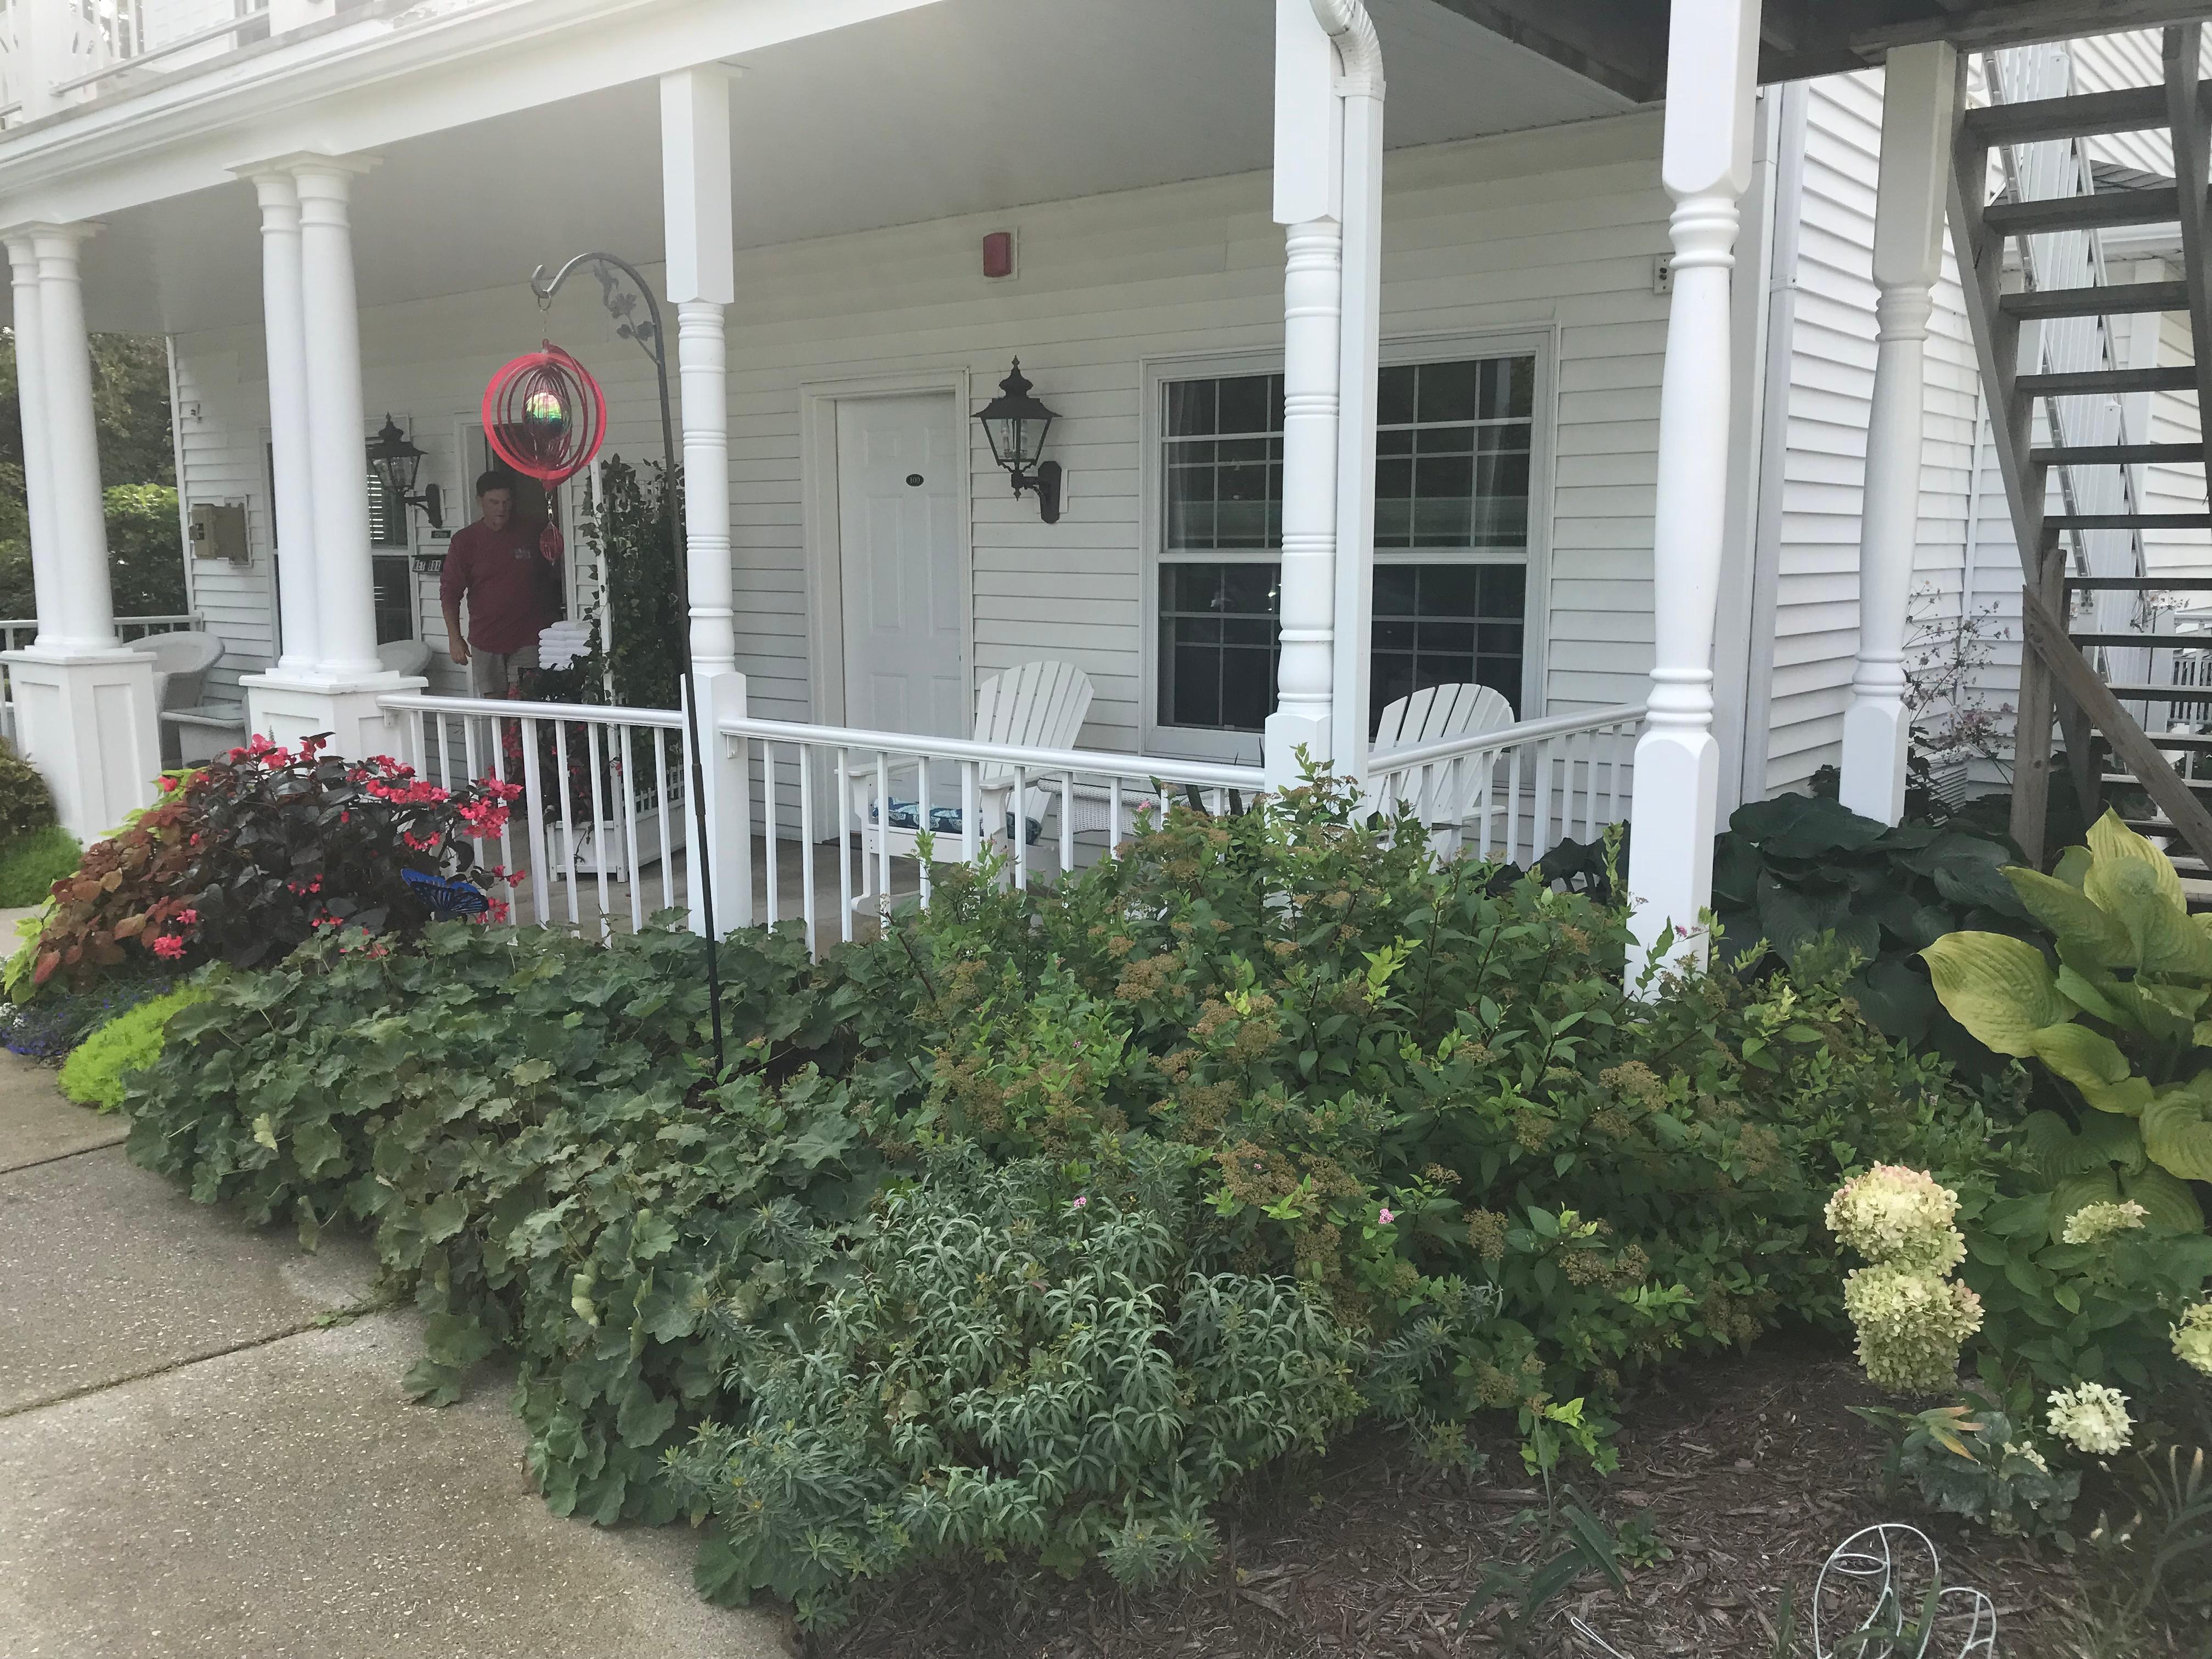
(93, 1074)
(1024, 1362)
(31, 863)
(26, 805)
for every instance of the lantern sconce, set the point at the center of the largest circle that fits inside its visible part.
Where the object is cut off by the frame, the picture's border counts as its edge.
(1016, 423)
(397, 461)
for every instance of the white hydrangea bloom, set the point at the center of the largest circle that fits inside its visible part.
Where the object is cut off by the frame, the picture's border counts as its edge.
(2192, 1338)
(1911, 1324)
(2094, 1223)
(2091, 1417)
(2026, 1452)
(1893, 1214)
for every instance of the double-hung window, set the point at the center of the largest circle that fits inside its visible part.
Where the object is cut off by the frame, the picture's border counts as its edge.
(392, 571)
(1454, 442)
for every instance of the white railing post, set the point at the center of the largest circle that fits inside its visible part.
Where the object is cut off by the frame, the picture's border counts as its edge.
(1712, 60)
(725, 762)
(1919, 89)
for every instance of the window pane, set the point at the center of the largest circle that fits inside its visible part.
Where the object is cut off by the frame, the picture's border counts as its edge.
(1244, 404)
(395, 598)
(1190, 407)
(1447, 392)
(1394, 396)
(1218, 645)
(1442, 414)
(1445, 624)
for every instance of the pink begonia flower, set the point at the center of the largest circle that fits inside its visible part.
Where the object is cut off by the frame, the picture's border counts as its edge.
(168, 947)
(188, 918)
(1386, 1218)
(1081, 1202)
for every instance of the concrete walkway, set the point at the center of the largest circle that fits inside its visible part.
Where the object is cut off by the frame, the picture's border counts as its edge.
(203, 1452)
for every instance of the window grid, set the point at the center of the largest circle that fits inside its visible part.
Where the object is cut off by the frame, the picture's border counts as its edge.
(1454, 445)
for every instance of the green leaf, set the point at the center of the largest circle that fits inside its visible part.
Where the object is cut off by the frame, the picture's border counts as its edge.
(2001, 989)
(2178, 1133)
(2093, 1063)
(456, 1341)
(2135, 883)
(2072, 918)
(448, 1214)
(2169, 1198)
(644, 1417)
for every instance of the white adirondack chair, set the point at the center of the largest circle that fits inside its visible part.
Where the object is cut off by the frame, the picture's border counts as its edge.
(1037, 705)
(1431, 715)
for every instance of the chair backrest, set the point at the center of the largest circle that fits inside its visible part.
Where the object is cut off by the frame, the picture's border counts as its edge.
(1438, 712)
(1036, 705)
(409, 657)
(180, 664)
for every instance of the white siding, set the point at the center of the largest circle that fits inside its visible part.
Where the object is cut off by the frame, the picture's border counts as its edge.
(222, 437)
(1550, 234)
(1832, 386)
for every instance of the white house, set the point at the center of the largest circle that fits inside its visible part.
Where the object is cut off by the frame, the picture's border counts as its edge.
(1424, 342)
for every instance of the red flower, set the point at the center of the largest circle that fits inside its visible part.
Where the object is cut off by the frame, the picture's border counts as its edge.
(168, 947)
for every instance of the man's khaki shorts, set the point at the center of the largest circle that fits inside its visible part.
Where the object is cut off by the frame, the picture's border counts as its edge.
(496, 673)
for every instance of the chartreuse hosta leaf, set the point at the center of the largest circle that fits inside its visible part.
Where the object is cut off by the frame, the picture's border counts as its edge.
(2083, 930)
(2001, 989)
(2177, 1129)
(2094, 1064)
(2112, 844)
(2073, 866)
(2135, 883)
(2166, 1197)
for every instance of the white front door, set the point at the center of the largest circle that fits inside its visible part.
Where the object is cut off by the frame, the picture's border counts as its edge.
(900, 472)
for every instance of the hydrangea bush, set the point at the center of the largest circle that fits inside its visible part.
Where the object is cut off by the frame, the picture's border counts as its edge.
(1912, 1318)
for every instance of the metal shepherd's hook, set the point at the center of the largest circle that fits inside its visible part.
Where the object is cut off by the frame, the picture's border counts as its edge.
(648, 334)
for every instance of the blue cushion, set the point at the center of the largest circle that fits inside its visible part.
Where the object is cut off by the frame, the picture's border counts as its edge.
(944, 820)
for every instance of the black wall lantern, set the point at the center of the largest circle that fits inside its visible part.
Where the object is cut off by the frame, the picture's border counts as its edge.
(1016, 423)
(397, 461)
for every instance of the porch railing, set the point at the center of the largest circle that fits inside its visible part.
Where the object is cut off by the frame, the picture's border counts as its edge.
(1516, 792)
(886, 790)
(839, 819)
(17, 632)
(107, 37)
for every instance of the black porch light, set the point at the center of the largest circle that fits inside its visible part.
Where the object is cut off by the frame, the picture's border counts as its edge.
(397, 461)
(1016, 423)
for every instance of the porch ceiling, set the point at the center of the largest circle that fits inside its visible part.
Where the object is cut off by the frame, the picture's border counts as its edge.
(965, 106)
(1621, 45)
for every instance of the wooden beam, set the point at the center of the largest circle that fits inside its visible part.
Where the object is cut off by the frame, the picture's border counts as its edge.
(2045, 635)
(1620, 44)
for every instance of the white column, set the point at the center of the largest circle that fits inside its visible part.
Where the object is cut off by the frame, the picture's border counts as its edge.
(30, 399)
(1309, 203)
(84, 705)
(695, 162)
(1712, 58)
(345, 585)
(285, 328)
(77, 510)
(1919, 89)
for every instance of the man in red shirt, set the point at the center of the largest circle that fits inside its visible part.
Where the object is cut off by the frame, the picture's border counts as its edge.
(512, 589)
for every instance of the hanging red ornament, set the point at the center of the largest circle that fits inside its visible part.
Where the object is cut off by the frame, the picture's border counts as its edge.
(544, 416)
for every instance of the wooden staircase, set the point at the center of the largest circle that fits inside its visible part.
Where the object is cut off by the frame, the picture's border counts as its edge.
(2058, 682)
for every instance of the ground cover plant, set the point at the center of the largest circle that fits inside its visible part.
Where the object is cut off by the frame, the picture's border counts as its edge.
(1320, 1132)
(93, 1074)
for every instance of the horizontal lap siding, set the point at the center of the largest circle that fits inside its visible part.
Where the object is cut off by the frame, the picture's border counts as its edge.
(1549, 235)
(1815, 641)
(221, 419)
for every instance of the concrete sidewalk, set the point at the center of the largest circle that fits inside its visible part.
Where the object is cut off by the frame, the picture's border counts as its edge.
(202, 1453)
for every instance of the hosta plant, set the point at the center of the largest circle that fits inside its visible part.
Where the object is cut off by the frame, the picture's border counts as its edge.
(2114, 1004)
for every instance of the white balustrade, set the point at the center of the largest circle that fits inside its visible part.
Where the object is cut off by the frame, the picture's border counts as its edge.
(1515, 793)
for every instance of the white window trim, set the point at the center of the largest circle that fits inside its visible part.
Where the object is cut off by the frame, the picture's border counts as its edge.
(1191, 742)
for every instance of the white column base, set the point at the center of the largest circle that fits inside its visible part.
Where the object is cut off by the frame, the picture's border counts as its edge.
(1670, 851)
(286, 707)
(1877, 735)
(1284, 734)
(727, 863)
(87, 720)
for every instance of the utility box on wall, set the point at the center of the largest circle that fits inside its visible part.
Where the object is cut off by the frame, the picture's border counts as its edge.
(219, 531)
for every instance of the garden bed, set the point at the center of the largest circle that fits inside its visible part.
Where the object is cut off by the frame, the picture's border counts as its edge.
(1750, 1470)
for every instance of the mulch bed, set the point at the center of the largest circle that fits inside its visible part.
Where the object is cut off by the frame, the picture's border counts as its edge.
(1750, 1470)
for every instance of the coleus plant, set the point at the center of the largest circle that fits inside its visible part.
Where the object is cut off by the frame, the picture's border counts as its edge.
(2116, 1006)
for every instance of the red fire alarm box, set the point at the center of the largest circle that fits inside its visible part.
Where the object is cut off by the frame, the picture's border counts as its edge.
(999, 254)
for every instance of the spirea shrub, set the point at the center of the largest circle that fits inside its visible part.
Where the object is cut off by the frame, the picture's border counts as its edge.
(243, 859)
(1022, 1363)
(26, 804)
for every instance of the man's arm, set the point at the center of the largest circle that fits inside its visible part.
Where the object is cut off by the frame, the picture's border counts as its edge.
(452, 582)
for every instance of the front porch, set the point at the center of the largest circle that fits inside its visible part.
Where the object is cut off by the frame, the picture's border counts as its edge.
(1308, 470)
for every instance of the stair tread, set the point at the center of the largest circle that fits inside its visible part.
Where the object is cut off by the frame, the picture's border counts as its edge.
(2104, 299)
(2126, 109)
(2160, 642)
(2180, 739)
(2140, 584)
(2103, 209)
(2116, 454)
(2135, 691)
(2129, 521)
(2086, 381)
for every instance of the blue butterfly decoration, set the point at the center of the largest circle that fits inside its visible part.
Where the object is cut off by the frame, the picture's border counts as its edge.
(446, 897)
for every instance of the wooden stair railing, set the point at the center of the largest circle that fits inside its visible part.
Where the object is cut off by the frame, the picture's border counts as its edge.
(2058, 683)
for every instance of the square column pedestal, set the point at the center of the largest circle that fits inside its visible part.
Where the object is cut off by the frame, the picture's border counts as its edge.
(285, 709)
(87, 720)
